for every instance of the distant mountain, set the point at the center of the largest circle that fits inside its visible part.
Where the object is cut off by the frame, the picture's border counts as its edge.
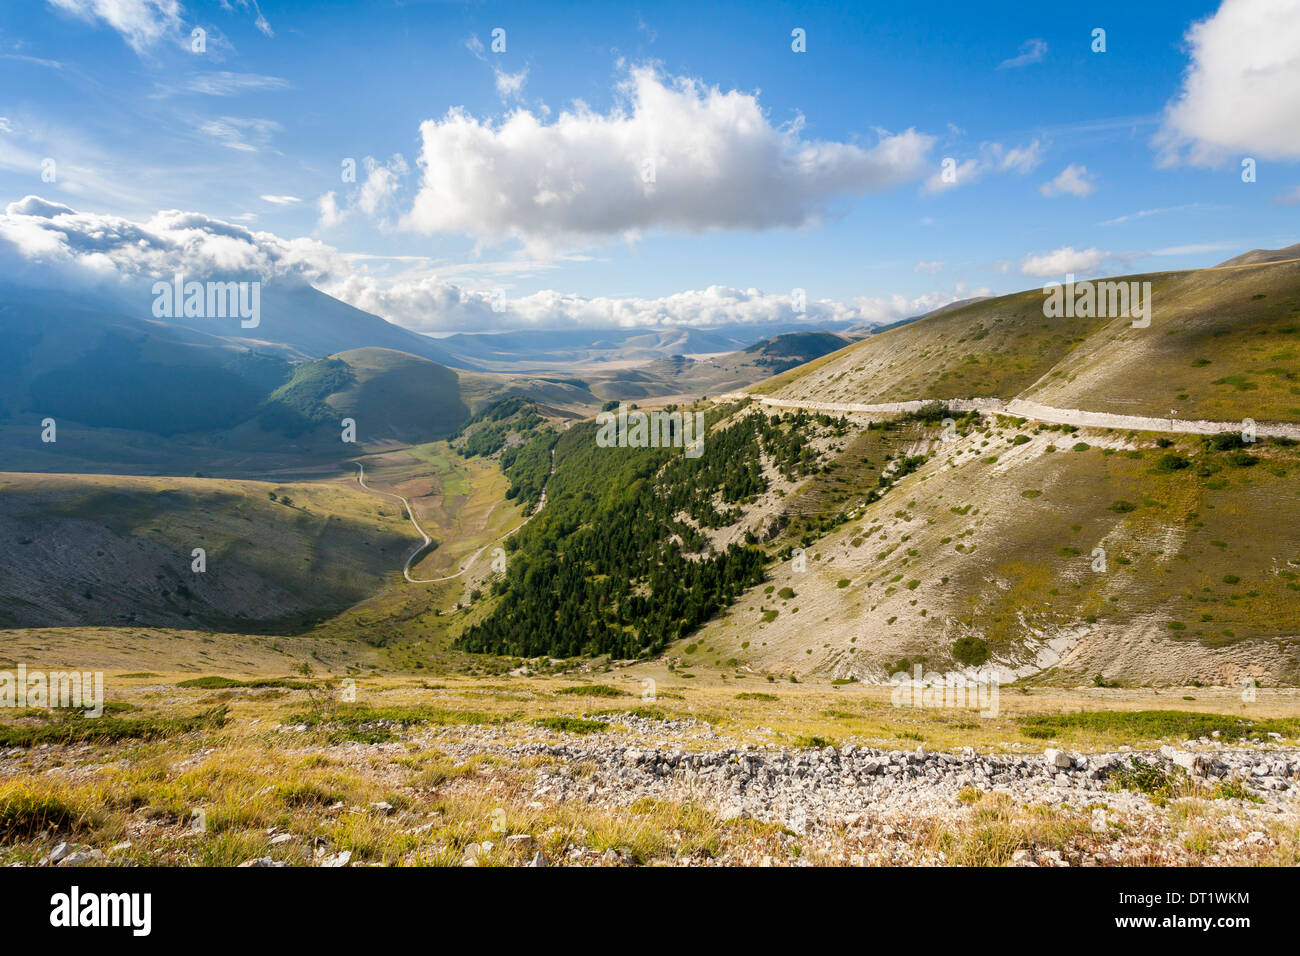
(709, 374)
(536, 350)
(302, 322)
(1256, 256)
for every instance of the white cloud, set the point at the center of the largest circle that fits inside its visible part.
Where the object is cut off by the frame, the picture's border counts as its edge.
(53, 242)
(1031, 51)
(673, 154)
(929, 268)
(5, 125)
(224, 83)
(49, 243)
(992, 158)
(142, 23)
(1073, 180)
(281, 200)
(376, 196)
(382, 182)
(259, 21)
(1063, 260)
(243, 135)
(511, 84)
(328, 210)
(1241, 91)
(1143, 213)
(430, 304)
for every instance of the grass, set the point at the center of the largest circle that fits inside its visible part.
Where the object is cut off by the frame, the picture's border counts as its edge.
(24, 813)
(1150, 725)
(75, 728)
(1004, 347)
(251, 781)
(571, 725)
(378, 724)
(222, 683)
(590, 690)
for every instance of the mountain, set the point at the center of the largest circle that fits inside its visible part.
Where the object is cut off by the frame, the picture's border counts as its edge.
(536, 349)
(390, 395)
(1222, 344)
(1256, 256)
(301, 322)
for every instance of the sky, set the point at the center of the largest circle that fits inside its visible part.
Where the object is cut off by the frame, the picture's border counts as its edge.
(612, 164)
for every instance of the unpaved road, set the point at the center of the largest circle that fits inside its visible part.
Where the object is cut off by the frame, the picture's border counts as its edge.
(1043, 413)
(410, 513)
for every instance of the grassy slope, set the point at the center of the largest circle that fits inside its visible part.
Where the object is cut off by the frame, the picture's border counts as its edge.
(400, 396)
(1223, 344)
(117, 550)
(1011, 565)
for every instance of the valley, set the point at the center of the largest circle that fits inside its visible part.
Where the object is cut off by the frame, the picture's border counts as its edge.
(920, 501)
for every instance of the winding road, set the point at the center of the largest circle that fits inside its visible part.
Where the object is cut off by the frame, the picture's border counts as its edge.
(410, 514)
(1042, 413)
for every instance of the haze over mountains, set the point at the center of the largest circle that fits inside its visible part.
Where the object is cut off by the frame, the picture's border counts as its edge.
(224, 396)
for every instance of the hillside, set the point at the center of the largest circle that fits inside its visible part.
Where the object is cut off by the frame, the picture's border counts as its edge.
(1223, 344)
(1256, 256)
(391, 396)
(84, 550)
(986, 554)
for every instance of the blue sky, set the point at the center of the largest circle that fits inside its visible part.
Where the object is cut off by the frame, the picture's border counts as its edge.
(1064, 157)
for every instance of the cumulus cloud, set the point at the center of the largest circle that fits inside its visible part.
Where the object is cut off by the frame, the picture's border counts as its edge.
(376, 196)
(1031, 51)
(1241, 91)
(672, 154)
(1073, 180)
(992, 158)
(430, 304)
(327, 209)
(49, 243)
(1063, 260)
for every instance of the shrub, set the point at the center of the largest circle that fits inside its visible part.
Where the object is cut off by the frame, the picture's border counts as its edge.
(571, 725)
(971, 651)
(591, 690)
(1171, 463)
(1142, 777)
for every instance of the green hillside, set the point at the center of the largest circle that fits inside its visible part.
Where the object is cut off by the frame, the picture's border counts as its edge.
(1223, 344)
(86, 550)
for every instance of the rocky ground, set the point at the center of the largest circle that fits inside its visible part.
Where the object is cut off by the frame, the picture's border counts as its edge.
(871, 800)
(623, 788)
